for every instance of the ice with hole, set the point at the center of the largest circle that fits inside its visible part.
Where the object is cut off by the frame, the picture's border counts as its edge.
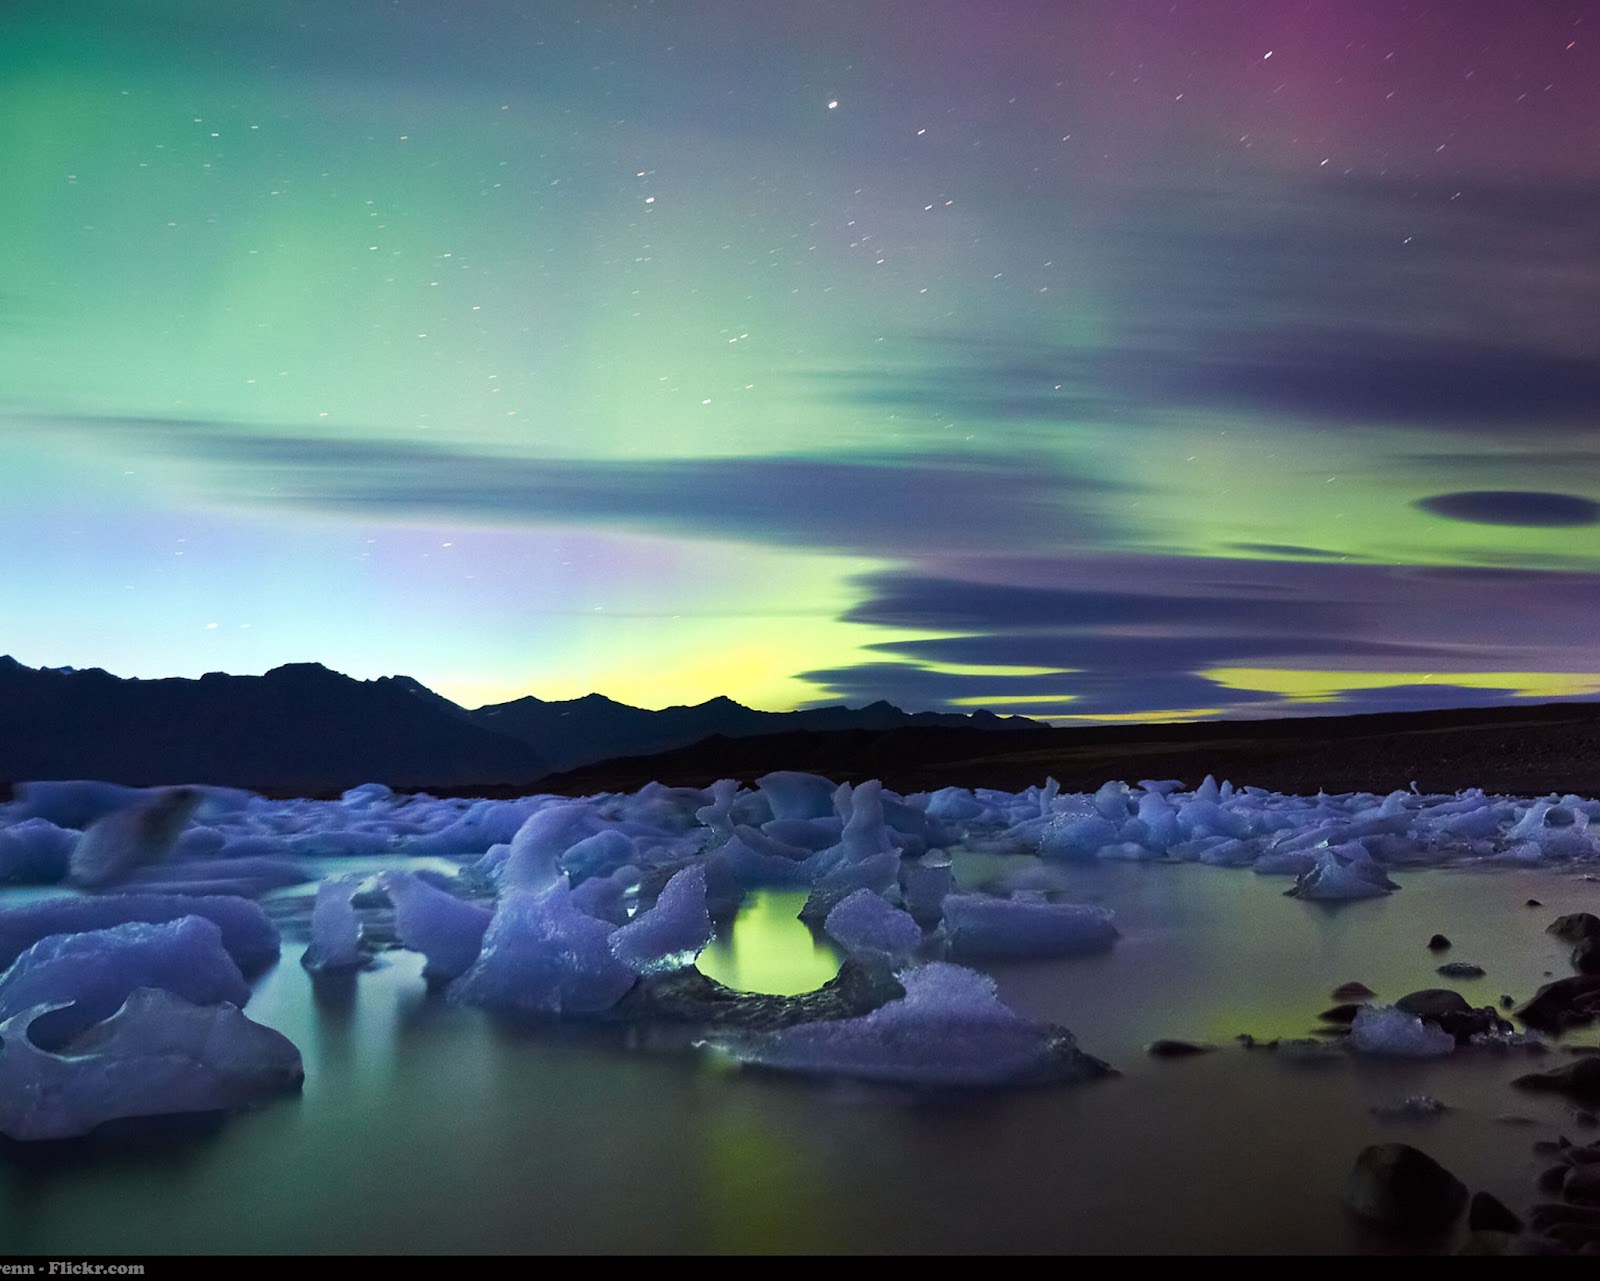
(156, 1055)
(542, 917)
(89, 975)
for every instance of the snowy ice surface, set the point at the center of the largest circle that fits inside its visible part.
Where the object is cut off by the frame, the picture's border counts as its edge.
(979, 925)
(673, 932)
(867, 922)
(949, 1030)
(248, 936)
(1384, 1030)
(156, 1055)
(543, 955)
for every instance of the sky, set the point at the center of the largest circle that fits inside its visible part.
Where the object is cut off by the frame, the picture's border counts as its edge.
(1099, 360)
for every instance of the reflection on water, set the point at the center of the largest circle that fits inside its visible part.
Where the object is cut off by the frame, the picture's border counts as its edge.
(425, 1127)
(769, 949)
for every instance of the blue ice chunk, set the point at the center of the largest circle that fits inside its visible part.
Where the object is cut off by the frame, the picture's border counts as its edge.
(949, 1030)
(542, 955)
(533, 862)
(156, 1055)
(793, 795)
(671, 933)
(249, 937)
(35, 851)
(335, 932)
(866, 922)
(445, 929)
(597, 855)
(980, 925)
(95, 971)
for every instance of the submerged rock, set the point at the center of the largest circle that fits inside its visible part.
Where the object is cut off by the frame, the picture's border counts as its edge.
(1563, 1004)
(1579, 1079)
(1399, 1187)
(1166, 1048)
(1575, 926)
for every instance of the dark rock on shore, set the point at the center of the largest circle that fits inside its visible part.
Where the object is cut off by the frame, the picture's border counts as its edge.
(1352, 992)
(1461, 970)
(1399, 1187)
(1563, 1004)
(1575, 927)
(1579, 1079)
(1438, 943)
(1342, 1013)
(1487, 1213)
(1586, 956)
(1451, 1012)
(1172, 1049)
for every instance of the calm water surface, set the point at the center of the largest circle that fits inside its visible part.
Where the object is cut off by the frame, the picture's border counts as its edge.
(428, 1128)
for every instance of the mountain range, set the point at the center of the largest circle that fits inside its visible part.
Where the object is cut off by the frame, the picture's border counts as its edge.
(303, 727)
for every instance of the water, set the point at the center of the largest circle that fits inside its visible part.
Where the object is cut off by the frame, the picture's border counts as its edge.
(427, 1128)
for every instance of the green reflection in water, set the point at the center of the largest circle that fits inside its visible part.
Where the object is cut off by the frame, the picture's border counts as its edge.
(769, 949)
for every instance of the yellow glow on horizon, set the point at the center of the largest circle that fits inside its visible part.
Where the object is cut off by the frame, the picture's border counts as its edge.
(1327, 686)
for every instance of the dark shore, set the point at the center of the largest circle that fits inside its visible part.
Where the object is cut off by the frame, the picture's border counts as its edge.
(1533, 750)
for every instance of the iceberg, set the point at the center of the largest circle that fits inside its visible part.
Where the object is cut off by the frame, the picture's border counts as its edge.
(979, 925)
(950, 1030)
(445, 929)
(157, 1055)
(1385, 1030)
(671, 933)
(543, 955)
(335, 932)
(248, 936)
(866, 922)
(88, 976)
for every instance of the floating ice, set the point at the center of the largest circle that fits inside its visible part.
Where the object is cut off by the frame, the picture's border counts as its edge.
(35, 850)
(534, 859)
(949, 1030)
(142, 833)
(673, 932)
(1384, 1030)
(542, 955)
(865, 922)
(156, 1055)
(248, 936)
(335, 932)
(88, 976)
(793, 795)
(1342, 872)
(980, 925)
(880, 873)
(445, 929)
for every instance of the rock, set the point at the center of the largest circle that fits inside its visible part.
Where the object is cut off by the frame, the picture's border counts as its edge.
(1342, 1013)
(1586, 956)
(1583, 1185)
(1404, 1189)
(1571, 1225)
(1575, 926)
(1438, 943)
(1552, 1179)
(1487, 1213)
(1563, 1004)
(1507, 1001)
(1352, 992)
(1450, 1011)
(1579, 1079)
(1533, 902)
(1170, 1049)
(1461, 970)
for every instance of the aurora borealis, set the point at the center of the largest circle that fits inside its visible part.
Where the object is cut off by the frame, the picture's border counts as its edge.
(1101, 359)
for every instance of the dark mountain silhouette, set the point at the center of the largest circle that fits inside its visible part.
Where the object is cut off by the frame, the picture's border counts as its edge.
(299, 727)
(594, 728)
(302, 727)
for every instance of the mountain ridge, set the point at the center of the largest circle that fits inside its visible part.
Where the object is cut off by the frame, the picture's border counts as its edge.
(304, 725)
